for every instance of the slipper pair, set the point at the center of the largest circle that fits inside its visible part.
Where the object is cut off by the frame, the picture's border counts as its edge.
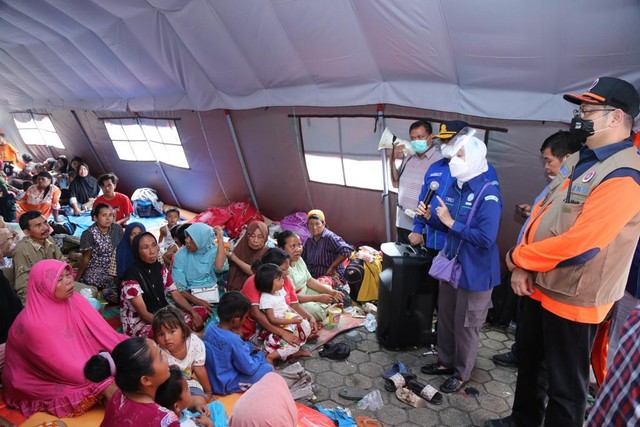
(396, 368)
(398, 381)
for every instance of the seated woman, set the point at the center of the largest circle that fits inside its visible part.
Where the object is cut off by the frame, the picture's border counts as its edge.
(196, 263)
(463, 308)
(143, 291)
(49, 343)
(249, 331)
(43, 197)
(83, 190)
(248, 249)
(324, 251)
(314, 296)
(97, 245)
(124, 256)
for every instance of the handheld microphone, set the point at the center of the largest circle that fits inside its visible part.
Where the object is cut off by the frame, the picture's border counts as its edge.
(433, 187)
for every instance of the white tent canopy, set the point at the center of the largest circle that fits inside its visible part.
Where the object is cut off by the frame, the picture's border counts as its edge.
(490, 58)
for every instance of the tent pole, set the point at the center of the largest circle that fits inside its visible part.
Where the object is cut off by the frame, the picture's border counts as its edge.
(84, 133)
(241, 159)
(385, 174)
(166, 181)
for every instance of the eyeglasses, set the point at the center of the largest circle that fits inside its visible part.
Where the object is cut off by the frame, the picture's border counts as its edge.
(579, 112)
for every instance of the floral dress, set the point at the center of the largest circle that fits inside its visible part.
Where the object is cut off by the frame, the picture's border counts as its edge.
(102, 247)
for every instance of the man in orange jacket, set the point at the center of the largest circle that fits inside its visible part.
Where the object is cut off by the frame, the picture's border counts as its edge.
(574, 258)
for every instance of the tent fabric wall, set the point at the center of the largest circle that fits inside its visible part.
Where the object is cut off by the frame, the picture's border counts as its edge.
(146, 55)
(272, 152)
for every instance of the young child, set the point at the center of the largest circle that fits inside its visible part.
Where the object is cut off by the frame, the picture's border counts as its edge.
(184, 350)
(175, 395)
(172, 215)
(120, 203)
(233, 364)
(97, 244)
(270, 281)
(139, 368)
(177, 234)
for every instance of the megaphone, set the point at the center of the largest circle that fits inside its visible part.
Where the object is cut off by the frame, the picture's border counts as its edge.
(389, 140)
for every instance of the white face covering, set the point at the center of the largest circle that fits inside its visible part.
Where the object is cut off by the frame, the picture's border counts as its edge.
(475, 163)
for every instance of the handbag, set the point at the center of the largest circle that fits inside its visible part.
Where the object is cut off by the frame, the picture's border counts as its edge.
(210, 294)
(450, 270)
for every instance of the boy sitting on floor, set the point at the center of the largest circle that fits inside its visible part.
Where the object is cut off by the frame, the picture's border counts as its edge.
(233, 365)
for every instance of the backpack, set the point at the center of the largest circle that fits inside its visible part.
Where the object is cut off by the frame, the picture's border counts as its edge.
(145, 203)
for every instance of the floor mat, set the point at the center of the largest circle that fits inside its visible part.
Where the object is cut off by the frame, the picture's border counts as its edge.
(325, 335)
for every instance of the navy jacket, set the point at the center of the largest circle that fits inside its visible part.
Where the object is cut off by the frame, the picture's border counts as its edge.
(479, 256)
(439, 171)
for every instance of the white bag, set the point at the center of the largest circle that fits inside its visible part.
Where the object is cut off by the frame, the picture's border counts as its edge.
(210, 295)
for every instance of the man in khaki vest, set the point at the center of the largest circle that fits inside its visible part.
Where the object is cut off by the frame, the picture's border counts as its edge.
(574, 258)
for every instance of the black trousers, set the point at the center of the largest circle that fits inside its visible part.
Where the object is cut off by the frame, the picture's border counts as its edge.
(553, 368)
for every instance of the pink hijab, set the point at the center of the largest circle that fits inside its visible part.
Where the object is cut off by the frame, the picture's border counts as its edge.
(268, 403)
(48, 345)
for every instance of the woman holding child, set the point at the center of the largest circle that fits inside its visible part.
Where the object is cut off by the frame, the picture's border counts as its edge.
(314, 296)
(256, 316)
(48, 344)
(143, 291)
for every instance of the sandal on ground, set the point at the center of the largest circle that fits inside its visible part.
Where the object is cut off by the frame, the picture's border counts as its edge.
(54, 423)
(352, 393)
(436, 369)
(397, 368)
(452, 385)
(398, 381)
(407, 396)
(368, 422)
(427, 392)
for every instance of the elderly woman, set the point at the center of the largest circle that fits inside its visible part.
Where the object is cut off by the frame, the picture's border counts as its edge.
(83, 190)
(325, 251)
(43, 197)
(144, 288)
(463, 310)
(314, 296)
(250, 248)
(49, 343)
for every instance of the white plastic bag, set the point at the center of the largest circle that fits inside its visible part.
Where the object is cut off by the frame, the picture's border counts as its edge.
(370, 323)
(372, 401)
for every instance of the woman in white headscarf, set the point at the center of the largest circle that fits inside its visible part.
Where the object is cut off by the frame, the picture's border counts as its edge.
(463, 310)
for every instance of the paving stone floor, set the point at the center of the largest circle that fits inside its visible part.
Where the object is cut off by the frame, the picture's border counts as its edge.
(368, 359)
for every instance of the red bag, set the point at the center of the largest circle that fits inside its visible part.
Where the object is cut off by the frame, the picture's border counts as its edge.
(243, 214)
(213, 216)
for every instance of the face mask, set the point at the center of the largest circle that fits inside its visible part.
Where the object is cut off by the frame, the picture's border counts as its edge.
(583, 127)
(458, 168)
(419, 146)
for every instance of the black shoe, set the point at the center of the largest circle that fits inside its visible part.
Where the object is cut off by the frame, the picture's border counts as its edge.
(506, 359)
(501, 422)
(452, 384)
(436, 369)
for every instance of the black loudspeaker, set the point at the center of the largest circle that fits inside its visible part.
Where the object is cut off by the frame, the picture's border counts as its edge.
(404, 295)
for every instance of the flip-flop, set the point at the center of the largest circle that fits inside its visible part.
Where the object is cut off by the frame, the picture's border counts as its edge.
(396, 368)
(398, 381)
(54, 423)
(407, 396)
(368, 422)
(427, 392)
(352, 393)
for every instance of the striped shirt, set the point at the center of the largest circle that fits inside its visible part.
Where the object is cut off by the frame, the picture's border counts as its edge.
(320, 254)
(410, 184)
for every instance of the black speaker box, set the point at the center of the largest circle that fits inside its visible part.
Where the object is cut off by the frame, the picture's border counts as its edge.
(403, 296)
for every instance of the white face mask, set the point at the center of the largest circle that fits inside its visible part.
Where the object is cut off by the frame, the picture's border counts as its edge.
(459, 168)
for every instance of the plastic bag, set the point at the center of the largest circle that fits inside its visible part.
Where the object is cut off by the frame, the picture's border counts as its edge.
(370, 323)
(372, 401)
